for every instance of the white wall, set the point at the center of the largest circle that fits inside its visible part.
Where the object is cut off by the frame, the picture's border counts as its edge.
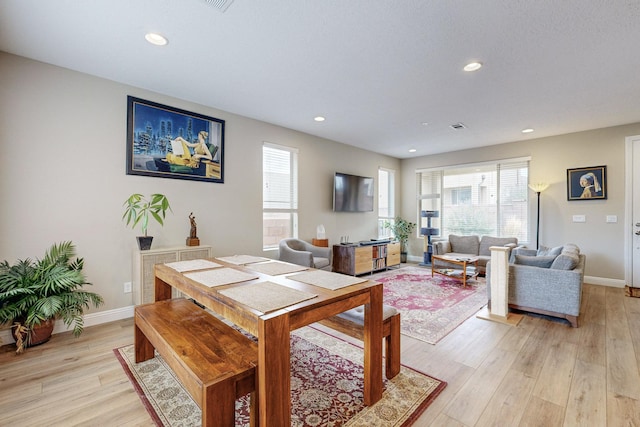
(62, 177)
(603, 243)
(63, 139)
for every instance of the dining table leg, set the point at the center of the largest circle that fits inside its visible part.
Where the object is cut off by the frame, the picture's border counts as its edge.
(373, 347)
(274, 371)
(162, 290)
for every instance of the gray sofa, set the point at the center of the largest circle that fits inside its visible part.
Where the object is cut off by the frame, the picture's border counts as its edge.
(546, 281)
(466, 246)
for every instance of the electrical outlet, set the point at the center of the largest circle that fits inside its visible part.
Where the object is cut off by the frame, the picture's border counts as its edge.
(127, 287)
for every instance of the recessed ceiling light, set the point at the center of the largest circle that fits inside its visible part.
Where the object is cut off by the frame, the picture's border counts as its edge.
(156, 39)
(319, 119)
(527, 130)
(425, 123)
(412, 150)
(473, 66)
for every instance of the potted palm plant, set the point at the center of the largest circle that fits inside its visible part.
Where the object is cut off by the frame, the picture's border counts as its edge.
(34, 293)
(401, 229)
(138, 210)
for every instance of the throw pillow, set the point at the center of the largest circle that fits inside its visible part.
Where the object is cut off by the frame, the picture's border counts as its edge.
(546, 251)
(565, 261)
(521, 251)
(535, 261)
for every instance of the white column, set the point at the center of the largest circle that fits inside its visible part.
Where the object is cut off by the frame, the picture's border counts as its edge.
(500, 289)
(499, 281)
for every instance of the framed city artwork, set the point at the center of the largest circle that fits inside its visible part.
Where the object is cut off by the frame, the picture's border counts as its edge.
(167, 142)
(588, 183)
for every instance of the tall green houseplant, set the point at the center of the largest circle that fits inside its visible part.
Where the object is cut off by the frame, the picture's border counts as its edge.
(138, 210)
(36, 292)
(401, 229)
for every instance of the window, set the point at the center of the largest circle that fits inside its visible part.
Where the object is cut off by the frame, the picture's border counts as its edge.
(484, 199)
(386, 199)
(279, 194)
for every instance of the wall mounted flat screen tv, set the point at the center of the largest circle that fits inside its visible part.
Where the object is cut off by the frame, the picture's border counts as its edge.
(352, 193)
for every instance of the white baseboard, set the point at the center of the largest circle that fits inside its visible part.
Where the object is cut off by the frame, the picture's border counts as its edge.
(98, 318)
(605, 281)
(90, 319)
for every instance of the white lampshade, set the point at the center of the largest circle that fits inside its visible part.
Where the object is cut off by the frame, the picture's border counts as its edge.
(539, 187)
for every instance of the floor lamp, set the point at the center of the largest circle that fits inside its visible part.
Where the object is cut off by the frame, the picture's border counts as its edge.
(538, 188)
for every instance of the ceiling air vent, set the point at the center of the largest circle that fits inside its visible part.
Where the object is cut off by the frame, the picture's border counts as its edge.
(221, 5)
(458, 126)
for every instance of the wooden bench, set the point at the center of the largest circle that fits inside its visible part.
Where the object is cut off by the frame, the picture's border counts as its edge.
(214, 362)
(351, 323)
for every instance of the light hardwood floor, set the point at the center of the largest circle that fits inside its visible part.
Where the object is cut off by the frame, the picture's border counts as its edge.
(540, 373)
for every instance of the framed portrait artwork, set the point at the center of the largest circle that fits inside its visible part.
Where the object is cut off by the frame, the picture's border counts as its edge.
(588, 183)
(167, 142)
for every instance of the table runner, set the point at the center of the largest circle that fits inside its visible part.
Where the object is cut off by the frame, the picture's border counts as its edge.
(275, 268)
(191, 265)
(242, 259)
(267, 296)
(220, 276)
(326, 279)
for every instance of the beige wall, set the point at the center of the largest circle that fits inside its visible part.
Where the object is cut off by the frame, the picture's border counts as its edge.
(63, 176)
(603, 243)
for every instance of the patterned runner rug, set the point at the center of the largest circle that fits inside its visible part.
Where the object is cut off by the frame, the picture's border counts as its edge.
(430, 307)
(326, 388)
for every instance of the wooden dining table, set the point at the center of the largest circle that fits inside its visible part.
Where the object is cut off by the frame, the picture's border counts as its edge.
(272, 327)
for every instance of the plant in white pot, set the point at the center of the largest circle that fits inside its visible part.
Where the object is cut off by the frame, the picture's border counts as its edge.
(401, 229)
(138, 210)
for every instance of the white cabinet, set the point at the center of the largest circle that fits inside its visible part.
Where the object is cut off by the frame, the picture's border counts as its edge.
(143, 262)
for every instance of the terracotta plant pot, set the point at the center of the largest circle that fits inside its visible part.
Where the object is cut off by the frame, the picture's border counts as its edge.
(40, 334)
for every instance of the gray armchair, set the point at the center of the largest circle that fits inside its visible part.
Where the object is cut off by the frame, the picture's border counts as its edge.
(299, 252)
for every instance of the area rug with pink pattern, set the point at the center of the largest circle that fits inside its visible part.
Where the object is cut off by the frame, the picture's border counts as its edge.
(327, 378)
(430, 307)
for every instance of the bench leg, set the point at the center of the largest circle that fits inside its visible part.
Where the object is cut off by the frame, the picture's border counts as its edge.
(254, 409)
(143, 348)
(392, 348)
(219, 405)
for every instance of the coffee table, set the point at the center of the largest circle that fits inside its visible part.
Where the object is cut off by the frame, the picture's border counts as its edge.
(468, 267)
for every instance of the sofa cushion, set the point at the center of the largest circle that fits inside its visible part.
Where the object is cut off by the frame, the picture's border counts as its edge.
(546, 251)
(521, 251)
(487, 241)
(464, 244)
(535, 261)
(566, 261)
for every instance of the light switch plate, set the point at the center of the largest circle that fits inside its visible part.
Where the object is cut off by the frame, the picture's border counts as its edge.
(612, 218)
(579, 218)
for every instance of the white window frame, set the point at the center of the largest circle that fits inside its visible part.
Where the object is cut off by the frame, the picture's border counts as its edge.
(438, 200)
(386, 197)
(284, 205)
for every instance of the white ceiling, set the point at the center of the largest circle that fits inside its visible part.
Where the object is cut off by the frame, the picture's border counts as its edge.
(377, 69)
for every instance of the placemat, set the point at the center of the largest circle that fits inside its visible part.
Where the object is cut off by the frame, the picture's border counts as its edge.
(326, 279)
(275, 268)
(191, 265)
(242, 259)
(267, 296)
(221, 276)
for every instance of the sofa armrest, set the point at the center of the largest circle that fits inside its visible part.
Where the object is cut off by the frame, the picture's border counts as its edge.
(441, 247)
(319, 251)
(304, 258)
(547, 289)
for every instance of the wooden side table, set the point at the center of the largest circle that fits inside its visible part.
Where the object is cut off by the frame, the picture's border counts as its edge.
(324, 243)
